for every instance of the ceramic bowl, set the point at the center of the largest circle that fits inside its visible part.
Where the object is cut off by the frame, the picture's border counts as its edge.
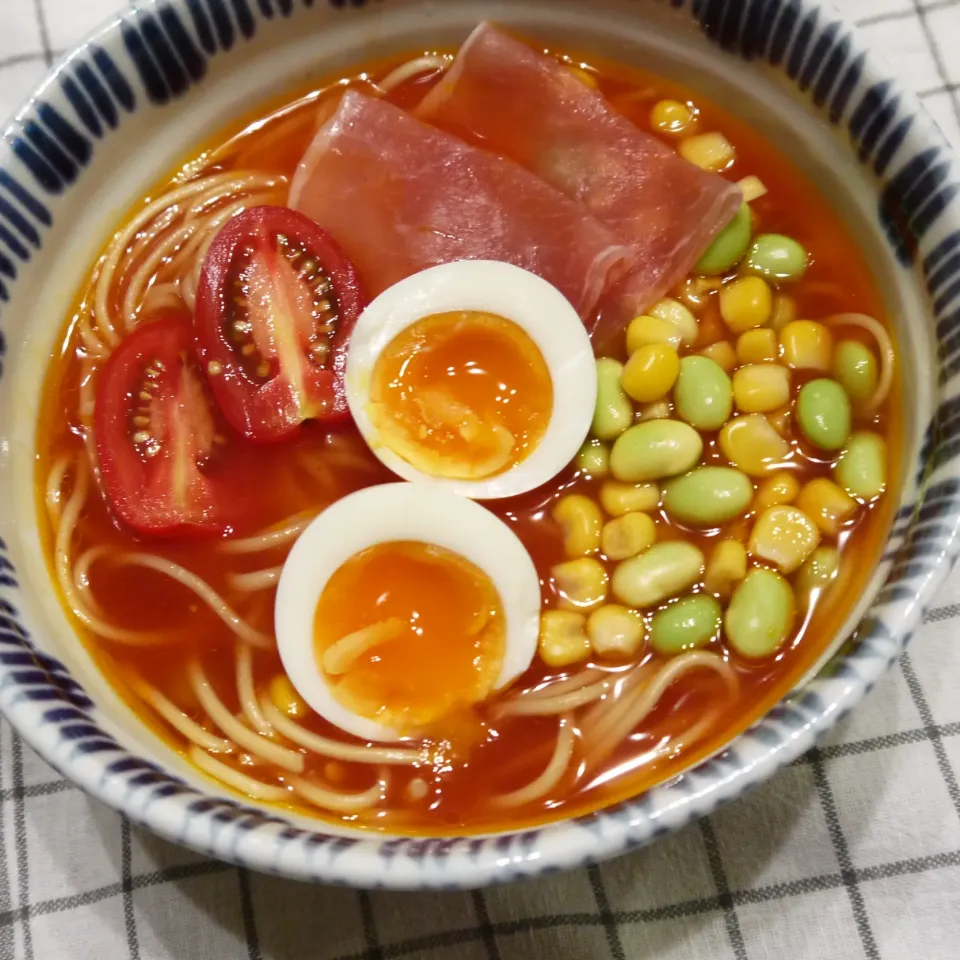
(124, 107)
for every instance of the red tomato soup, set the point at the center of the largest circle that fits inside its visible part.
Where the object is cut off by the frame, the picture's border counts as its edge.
(194, 422)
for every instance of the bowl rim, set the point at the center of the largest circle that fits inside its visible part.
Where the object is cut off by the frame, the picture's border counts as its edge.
(55, 717)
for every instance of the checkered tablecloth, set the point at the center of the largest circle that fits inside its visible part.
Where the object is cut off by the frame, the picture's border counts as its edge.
(852, 852)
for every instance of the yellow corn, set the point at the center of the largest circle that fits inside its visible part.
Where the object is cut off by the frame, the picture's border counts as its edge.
(644, 330)
(285, 698)
(782, 421)
(746, 303)
(752, 445)
(726, 567)
(784, 311)
(563, 640)
(784, 536)
(581, 584)
(679, 316)
(619, 498)
(581, 521)
(777, 490)
(757, 346)
(626, 536)
(826, 504)
(761, 387)
(655, 411)
(696, 291)
(752, 188)
(721, 353)
(673, 117)
(709, 151)
(651, 372)
(615, 632)
(806, 345)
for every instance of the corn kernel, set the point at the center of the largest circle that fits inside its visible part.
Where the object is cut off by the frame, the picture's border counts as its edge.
(644, 330)
(615, 632)
(619, 498)
(709, 151)
(745, 303)
(757, 346)
(581, 584)
(679, 316)
(626, 536)
(828, 505)
(722, 353)
(777, 490)
(752, 188)
(651, 372)
(784, 536)
(784, 311)
(673, 117)
(563, 640)
(581, 521)
(654, 411)
(761, 387)
(697, 291)
(752, 445)
(806, 345)
(285, 698)
(726, 567)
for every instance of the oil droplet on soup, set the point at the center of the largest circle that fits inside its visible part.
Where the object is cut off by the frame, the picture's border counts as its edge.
(461, 395)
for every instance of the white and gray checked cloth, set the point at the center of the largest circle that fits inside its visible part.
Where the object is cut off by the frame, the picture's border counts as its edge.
(852, 852)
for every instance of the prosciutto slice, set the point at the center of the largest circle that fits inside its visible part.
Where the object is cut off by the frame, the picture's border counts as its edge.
(400, 195)
(527, 106)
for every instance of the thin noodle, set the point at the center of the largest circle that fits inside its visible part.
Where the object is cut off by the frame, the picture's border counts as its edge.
(260, 746)
(410, 69)
(247, 692)
(257, 580)
(256, 789)
(339, 657)
(884, 346)
(141, 279)
(562, 703)
(394, 756)
(552, 774)
(552, 688)
(269, 539)
(179, 720)
(54, 489)
(337, 801)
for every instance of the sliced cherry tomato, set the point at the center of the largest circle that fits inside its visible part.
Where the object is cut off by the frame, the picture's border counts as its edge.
(156, 433)
(276, 304)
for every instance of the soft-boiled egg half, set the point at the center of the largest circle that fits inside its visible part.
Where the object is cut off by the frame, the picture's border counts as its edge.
(403, 604)
(475, 375)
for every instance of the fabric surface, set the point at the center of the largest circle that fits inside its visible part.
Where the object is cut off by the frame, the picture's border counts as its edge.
(853, 851)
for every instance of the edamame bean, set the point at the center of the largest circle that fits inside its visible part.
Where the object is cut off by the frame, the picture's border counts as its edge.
(703, 393)
(594, 459)
(708, 496)
(821, 568)
(729, 245)
(777, 257)
(689, 623)
(760, 615)
(823, 413)
(661, 572)
(655, 449)
(614, 412)
(855, 366)
(862, 467)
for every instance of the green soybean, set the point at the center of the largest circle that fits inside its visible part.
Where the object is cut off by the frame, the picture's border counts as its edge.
(855, 367)
(729, 245)
(760, 615)
(823, 413)
(818, 570)
(614, 412)
(657, 574)
(862, 467)
(655, 449)
(708, 496)
(689, 623)
(594, 459)
(703, 393)
(777, 257)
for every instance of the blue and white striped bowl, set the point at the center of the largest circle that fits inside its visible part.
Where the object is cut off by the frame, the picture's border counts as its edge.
(130, 102)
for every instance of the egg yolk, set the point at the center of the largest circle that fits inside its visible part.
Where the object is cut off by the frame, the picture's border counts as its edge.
(462, 395)
(408, 632)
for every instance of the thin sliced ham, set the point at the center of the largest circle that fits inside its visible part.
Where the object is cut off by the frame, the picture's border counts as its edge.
(400, 195)
(529, 107)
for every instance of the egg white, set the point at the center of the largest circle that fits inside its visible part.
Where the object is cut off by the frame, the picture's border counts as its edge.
(505, 291)
(399, 511)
